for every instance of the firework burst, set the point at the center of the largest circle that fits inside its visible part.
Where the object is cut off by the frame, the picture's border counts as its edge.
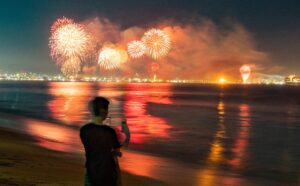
(71, 67)
(69, 41)
(110, 58)
(157, 43)
(136, 49)
(245, 71)
(61, 22)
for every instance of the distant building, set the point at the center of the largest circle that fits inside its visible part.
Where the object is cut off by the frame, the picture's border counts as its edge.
(292, 79)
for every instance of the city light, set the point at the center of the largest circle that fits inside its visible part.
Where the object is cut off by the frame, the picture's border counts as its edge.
(222, 80)
(29, 76)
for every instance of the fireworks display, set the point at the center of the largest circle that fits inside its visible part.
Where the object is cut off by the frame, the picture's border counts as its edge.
(69, 40)
(69, 45)
(157, 43)
(71, 67)
(136, 49)
(245, 71)
(110, 58)
(99, 43)
(87, 46)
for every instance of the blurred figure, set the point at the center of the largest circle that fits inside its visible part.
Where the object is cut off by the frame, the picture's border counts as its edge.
(101, 147)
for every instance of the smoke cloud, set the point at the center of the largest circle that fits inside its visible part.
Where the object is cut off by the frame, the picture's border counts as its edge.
(199, 51)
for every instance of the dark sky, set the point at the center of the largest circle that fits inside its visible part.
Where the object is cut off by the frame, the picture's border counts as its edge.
(24, 24)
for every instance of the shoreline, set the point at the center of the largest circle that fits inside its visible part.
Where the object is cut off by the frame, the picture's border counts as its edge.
(23, 163)
(175, 82)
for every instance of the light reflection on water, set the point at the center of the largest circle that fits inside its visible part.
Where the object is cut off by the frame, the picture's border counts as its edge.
(239, 149)
(69, 103)
(216, 152)
(54, 137)
(142, 124)
(183, 135)
(216, 157)
(208, 176)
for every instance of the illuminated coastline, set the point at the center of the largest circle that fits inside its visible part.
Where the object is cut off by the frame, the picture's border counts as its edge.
(292, 79)
(24, 76)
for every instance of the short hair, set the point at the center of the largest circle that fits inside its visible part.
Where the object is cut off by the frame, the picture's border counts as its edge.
(98, 103)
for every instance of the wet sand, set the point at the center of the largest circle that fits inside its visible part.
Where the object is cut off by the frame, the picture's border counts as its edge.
(22, 163)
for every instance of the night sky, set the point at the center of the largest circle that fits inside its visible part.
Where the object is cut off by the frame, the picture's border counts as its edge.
(24, 25)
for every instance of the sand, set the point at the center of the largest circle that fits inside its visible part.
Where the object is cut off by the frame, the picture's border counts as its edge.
(22, 164)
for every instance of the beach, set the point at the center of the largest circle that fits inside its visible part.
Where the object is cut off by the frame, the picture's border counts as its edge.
(183, 134)
(25, 164)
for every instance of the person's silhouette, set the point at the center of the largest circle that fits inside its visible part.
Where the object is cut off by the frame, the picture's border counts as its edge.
(101, 147)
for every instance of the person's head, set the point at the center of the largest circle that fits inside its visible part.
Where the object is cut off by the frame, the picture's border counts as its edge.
(99, 107)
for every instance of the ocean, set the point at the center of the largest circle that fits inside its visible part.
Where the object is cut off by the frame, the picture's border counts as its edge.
(192, 134)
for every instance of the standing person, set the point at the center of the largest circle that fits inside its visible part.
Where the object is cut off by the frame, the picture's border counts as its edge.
(101, 147)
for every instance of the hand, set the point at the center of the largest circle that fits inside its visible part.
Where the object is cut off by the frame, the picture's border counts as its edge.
(124, 124)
